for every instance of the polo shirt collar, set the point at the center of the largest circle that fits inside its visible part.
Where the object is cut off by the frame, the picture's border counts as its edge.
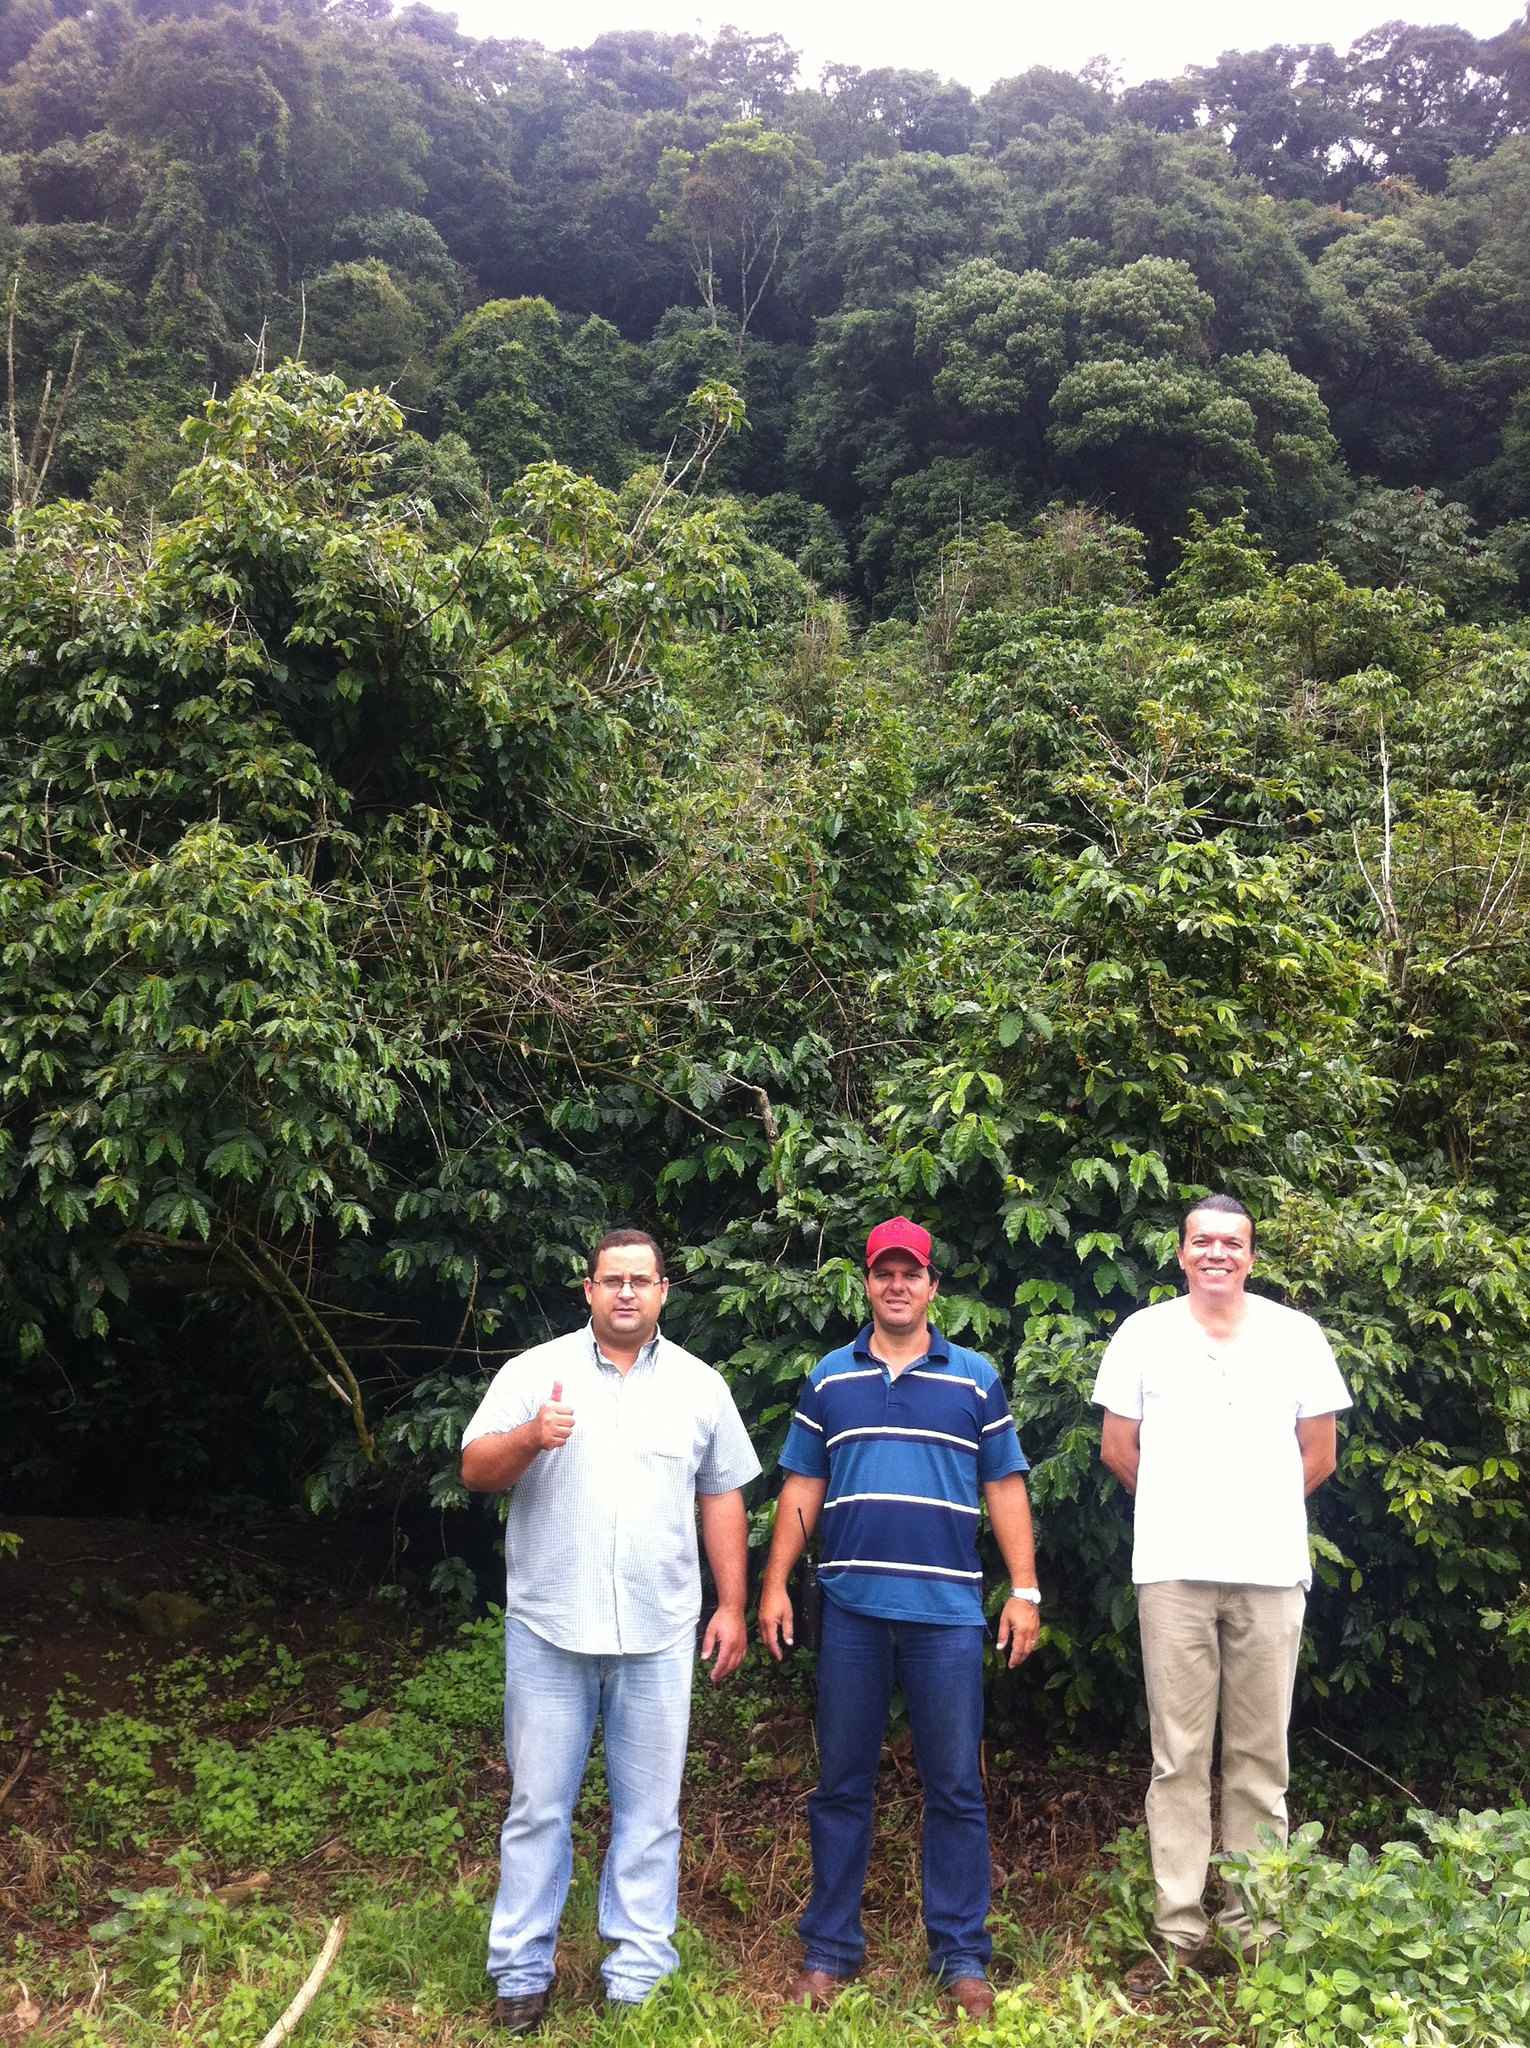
(939, 1353)
(646, 1355)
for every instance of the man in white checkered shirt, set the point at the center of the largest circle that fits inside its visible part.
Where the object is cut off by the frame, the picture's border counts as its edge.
(611, 1438)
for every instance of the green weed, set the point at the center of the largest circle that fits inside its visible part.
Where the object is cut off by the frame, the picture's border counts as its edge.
(388, 1791)
(1122, 1897)
(1402, 1947)
(464, 1687)
(391, 1787)
(1075, 2015)
(108, 1774)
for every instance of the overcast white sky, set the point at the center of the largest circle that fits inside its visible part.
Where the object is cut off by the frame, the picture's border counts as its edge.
(978, 41)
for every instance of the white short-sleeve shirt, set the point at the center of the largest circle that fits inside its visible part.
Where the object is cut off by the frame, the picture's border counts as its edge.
(600, 1539)
(1219, 1490)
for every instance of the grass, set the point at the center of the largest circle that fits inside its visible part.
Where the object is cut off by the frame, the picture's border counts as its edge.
(357, 1771)
(412, 1971)
(364, 1778)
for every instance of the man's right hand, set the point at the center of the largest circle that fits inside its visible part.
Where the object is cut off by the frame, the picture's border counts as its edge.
(554, 1421)
(492, 1463)
(776, 1619)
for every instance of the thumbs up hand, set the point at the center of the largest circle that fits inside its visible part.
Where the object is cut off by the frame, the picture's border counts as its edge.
(554, 1421)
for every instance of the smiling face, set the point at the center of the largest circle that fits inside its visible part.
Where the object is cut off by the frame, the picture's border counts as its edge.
(625, 1298)
(900, 1291)
(1217, 1255)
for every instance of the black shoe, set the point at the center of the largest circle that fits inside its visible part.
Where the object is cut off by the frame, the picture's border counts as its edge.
(525, 2015)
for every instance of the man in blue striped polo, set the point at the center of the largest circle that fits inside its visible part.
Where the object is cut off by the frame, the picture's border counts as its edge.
(895, 1439)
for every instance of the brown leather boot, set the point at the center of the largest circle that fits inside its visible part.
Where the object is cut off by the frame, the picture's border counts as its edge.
(975, 1997)
(816, 1989)
(1152, 1973)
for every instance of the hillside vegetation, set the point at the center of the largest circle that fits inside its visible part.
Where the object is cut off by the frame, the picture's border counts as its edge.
(886, 650)
(1266, 284)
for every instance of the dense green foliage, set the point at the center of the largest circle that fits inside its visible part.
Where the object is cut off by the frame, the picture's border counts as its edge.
(386, 910)
(424, 847)
(1272, 282)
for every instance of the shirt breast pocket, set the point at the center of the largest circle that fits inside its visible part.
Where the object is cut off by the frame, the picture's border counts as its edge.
(670, 1458)
(663, 1482)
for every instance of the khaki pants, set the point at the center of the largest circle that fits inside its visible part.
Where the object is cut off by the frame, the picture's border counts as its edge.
(1204, 1647)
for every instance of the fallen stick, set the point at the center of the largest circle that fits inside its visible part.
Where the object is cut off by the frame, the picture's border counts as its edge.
(287, 2025)
(15, 1778)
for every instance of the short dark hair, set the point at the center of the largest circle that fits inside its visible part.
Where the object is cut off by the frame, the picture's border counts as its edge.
(613, 1238)
(1221, 1205)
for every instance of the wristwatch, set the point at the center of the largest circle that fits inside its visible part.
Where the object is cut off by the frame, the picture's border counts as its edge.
(1031, 1593)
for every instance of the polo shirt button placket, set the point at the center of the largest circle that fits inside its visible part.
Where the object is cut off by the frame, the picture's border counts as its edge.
(617, 1495)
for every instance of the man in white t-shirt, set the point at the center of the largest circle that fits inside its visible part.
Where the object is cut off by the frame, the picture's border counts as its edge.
(1220, 1412)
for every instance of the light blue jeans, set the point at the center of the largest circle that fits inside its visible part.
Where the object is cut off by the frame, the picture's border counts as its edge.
(552, 1701)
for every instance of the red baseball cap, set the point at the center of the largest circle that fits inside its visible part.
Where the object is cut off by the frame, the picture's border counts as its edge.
(898, 1234)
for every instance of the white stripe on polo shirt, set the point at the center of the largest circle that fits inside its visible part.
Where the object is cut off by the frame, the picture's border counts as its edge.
(884, 1564)
(915, 1500)
(928, 1436)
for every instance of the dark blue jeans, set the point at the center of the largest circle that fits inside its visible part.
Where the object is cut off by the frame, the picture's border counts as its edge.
(941, 1672)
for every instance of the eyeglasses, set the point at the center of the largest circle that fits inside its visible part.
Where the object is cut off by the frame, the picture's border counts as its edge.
(617, 1283)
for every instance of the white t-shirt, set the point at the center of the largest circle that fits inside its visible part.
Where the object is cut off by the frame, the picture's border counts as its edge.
(1219, 1491)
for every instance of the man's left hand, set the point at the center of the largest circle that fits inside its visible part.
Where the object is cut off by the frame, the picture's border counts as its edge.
(729, 1637)
(1019, 1630)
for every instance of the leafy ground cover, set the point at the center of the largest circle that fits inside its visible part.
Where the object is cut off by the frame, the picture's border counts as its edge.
(194, 1812)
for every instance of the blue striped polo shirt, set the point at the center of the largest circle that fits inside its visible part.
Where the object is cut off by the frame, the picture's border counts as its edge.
(904, 1458)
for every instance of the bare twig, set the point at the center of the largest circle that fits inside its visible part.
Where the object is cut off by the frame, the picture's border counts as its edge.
(1383, 893)
(467, 1316)
(287, 2025)
(1386, 827)
(29, 472)
(259, 1280)
(15, 1778)
(271, 1279)
(263, 1266)
(768, 1121)
(1334, 1743)
(58, 417)
(10, 395)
